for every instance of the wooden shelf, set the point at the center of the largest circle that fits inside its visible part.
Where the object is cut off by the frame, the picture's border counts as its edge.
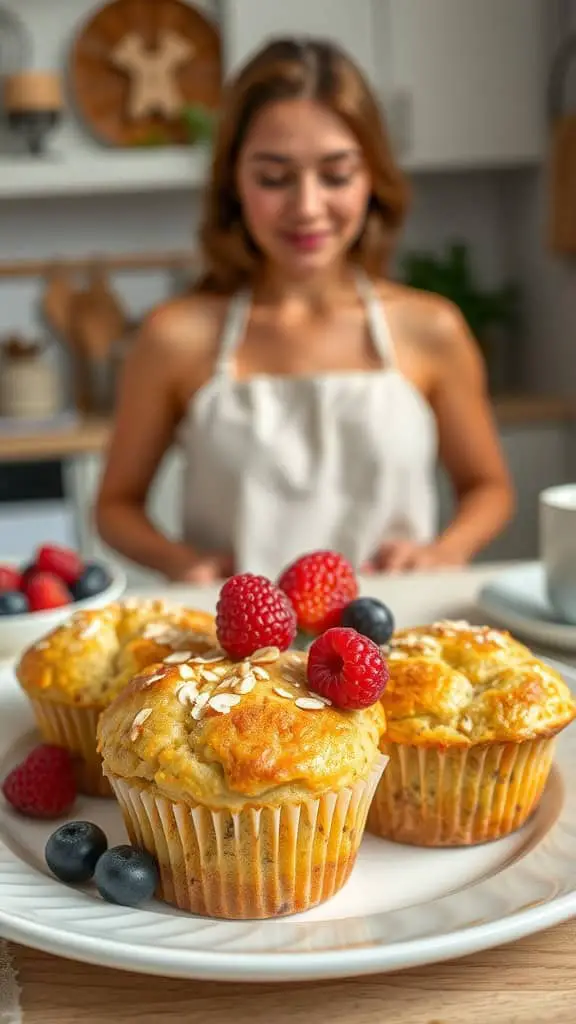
(106, 171)
(91, 434)
(88, 436)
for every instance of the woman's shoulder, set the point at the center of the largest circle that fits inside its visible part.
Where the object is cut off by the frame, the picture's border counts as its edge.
(191, 323)
(428, 318)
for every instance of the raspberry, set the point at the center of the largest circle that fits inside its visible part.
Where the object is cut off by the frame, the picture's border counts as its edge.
(63, 562)
(319, 585)
(45, 591)
(347, 668)
(43, 785)
(10, 578)
(252, 613)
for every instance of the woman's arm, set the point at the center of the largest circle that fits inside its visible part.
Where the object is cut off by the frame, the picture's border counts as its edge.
(147, 412)
(469, 445)
(469, 450)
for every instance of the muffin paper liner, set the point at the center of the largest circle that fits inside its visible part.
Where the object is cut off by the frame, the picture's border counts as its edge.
(257, 862)
(459, 797)
(75, 728)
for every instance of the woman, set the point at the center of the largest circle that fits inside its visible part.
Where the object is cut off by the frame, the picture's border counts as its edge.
(312, 396)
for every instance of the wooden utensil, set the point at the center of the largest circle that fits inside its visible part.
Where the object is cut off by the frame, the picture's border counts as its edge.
(562, 226)
(98, 321)
(57, 302)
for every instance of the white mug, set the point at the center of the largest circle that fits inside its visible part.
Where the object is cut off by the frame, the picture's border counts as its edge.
(558, 548)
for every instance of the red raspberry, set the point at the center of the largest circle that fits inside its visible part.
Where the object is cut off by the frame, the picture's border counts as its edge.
(252, 613)
(347, 668)
(10, 578)
(62, 562)
(43, 785)
(45, 590)
(319, 585)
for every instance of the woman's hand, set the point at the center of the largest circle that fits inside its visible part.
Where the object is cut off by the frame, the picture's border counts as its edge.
(204, 570)
(407, 556)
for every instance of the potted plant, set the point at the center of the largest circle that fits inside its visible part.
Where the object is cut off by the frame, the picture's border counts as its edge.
(491, 314)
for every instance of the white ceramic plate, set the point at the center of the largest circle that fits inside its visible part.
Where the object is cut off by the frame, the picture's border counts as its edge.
(516, 599)
(402, 906)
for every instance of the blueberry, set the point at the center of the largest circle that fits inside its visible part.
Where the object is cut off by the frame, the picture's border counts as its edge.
(126, 876)
(12, 602)
(74, 849)
(370, 617)
(94, 579)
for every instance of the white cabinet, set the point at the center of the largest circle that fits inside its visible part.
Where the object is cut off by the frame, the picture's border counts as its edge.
(466, 80)
(247, 24)
(463, 81)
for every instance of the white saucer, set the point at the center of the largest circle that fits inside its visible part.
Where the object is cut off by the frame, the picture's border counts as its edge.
(516, 600)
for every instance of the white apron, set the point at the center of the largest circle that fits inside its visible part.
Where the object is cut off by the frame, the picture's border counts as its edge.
(278, 465)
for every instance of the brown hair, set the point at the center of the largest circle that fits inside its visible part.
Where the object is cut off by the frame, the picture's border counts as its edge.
(289, 69)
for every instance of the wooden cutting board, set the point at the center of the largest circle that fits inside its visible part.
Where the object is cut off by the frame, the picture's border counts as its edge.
(136, 64)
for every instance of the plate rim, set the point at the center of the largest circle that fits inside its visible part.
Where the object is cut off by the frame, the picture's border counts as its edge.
(372, 956)
(292, 967)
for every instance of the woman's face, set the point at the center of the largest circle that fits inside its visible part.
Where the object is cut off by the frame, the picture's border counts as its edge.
(303, 186)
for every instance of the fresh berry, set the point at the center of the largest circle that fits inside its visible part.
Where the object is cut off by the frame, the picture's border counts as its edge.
(45, 591)
(43, 785)
(10, 578)
(347, 668)
(370, 617)
(26, 574)
(252, 613)
(319, 585)
(12, 602)
(62, 562)
(93, 580)
(126, 876)
(73, 851)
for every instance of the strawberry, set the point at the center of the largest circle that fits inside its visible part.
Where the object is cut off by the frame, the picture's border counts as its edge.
(252, 613)
(60, 561)
(10, 578)
(45, 590)
(43, 785)
(319, 585)
(347, 668)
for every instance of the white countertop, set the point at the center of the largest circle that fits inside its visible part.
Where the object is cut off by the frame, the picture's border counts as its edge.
(414, 598)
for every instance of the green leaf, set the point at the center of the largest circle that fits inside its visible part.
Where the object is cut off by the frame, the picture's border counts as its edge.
(199, 122)
(451, 275)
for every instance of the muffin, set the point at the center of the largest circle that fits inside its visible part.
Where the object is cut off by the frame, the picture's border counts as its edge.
(77, 669)
(250, 791)
(472, 718)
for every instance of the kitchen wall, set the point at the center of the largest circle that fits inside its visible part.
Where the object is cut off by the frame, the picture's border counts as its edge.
(500, 215)
(444, 206)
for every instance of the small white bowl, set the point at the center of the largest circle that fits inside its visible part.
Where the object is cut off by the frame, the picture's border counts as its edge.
(17, 632)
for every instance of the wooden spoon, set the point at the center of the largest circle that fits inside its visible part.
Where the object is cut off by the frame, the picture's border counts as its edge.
(56, 303)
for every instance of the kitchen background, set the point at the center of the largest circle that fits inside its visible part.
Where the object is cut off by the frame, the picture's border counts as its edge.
(96, 227)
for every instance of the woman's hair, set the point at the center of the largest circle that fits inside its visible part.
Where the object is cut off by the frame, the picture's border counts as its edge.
(288, 69)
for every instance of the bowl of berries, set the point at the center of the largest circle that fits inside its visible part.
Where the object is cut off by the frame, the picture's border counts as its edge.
(39, 594)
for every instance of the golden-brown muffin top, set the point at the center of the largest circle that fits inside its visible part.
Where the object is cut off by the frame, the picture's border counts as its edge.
(89, 658)
(455, 684)
(224, 733)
